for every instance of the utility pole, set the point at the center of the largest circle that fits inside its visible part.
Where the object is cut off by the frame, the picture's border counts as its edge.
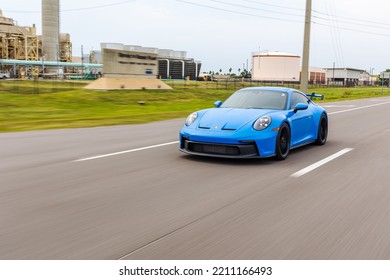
(306, 49)
(334, 66)
(82, 62)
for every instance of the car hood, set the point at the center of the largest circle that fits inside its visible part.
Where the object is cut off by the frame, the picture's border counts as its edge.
(229, 118)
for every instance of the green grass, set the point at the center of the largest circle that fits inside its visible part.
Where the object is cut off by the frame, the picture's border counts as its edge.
(32, 105)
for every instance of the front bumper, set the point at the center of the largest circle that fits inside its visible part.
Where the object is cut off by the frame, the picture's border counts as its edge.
(248, 150)
(228, 145)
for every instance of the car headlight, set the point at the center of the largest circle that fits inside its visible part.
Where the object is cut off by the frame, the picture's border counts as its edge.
(191, 118)
(262, 123)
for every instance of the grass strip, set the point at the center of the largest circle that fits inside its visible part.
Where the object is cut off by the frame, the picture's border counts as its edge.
(32, 105)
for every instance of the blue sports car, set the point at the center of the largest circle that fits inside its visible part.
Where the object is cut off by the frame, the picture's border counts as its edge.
(256, 122)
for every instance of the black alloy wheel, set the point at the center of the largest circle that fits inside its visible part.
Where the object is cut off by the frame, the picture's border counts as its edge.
(283, 142)
(322, 131)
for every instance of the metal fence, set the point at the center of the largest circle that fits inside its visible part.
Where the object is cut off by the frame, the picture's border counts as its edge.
(36, 86)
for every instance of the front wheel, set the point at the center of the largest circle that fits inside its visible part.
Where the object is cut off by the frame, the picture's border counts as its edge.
(283, 140)
(322, 134)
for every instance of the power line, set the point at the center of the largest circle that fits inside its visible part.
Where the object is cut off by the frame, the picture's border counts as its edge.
(332, 16)
(253, 8)
(273, 5)
(333, 20)
(236, 12)
(329, 16)
(80, 9)
(334, 32)
(98, 7)
(356, 30)
(354, 19)
(353, 23)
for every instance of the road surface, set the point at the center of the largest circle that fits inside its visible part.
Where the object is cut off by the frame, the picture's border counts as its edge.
(126, 192)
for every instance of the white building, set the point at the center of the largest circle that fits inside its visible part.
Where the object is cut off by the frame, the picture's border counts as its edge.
(348, 77)
(276, 66)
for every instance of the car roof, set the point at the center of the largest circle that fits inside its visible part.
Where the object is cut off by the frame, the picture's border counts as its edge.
(278, 89)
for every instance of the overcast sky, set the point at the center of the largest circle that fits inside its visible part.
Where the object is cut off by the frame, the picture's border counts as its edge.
(224, 33)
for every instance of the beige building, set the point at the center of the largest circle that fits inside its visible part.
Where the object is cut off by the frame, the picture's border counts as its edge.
(121, 63)
(17, 42)
(127, 68)
(23, 43)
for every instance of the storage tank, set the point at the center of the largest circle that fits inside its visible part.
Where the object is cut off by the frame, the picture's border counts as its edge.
(51, 29)
(276, 66)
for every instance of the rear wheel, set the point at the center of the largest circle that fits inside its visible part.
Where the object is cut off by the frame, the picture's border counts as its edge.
(322, 134)
(283, 140)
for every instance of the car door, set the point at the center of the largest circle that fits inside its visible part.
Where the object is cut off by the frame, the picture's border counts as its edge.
(302, 122)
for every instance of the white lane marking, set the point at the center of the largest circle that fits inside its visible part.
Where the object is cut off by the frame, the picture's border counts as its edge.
(127, 151)
(338, 106)
(359, 108)
(175, 142)
(320, 163)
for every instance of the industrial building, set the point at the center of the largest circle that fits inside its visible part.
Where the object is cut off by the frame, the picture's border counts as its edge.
(119, 61)
(283, 67)
(348, 77)
(276, 67)
(17, 42)
(137, 67)
(317, 76)
(23, 53)
(175, 65)
(21, 43)
(171, 64)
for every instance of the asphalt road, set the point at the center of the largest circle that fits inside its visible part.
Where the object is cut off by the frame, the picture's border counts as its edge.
(126, 192)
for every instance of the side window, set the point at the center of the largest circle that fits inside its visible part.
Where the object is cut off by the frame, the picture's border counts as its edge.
(296, 98)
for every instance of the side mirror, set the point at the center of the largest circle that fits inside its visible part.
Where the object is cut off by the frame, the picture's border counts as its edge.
(218, 103)
(300, 107)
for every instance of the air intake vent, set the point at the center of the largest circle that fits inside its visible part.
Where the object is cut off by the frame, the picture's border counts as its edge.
(245, 150)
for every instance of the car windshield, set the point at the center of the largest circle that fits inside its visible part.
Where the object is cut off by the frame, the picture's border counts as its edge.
(257, 99)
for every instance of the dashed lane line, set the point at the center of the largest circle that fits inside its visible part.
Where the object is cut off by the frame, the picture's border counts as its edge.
(126, 151)
(359, 108)
(175, 142)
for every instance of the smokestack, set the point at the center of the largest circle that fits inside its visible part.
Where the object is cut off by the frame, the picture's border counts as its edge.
(51, 29)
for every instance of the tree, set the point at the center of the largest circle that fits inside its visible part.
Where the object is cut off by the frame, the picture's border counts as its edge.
(245, 74)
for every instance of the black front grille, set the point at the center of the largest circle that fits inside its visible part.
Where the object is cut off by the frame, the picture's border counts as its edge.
(244, 150)
(213, 149)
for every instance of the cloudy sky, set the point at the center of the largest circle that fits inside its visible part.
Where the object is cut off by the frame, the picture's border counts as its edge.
(224, 33)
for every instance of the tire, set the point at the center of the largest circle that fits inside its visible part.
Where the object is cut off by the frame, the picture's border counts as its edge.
(322, 134)
(283, 140)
